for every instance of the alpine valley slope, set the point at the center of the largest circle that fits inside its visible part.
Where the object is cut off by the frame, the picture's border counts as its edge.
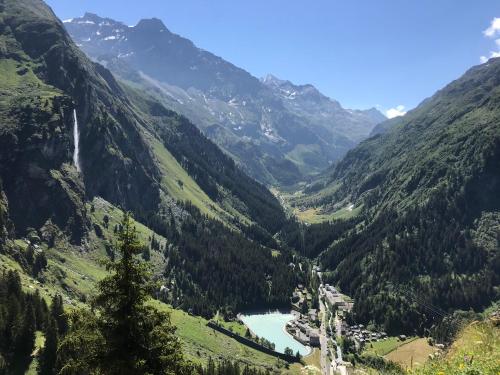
(426, 193)
(278, 132)
(134, 154)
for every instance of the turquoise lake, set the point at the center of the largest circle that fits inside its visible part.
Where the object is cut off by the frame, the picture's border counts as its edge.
(271, 326)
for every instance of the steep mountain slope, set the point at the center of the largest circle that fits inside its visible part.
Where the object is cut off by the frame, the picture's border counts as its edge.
(275, 136)
(430, 209)
(133, 153)
(383, 126)
(115, 133)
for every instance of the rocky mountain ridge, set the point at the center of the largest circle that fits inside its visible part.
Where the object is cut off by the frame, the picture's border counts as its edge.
(276, 138)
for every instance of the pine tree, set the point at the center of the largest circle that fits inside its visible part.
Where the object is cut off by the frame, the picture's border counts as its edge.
(41, 310)
(57, 313)
(39, 264)
(24, 342)
(125, 335)
(48, 356)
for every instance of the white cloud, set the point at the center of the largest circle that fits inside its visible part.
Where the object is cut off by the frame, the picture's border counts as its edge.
(494, 28)
(493, 54)
(396, 112)
(492, 32)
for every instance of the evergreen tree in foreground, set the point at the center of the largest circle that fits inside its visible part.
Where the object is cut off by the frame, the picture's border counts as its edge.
(123, 335)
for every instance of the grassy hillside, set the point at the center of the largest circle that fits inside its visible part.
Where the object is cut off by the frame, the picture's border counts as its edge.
(199, 342)
(412, 354)
(179, 185)
(476, 351)
(222, 187)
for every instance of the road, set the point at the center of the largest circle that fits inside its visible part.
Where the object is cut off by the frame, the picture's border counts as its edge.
(338, 329)
(325, 363)
(337, 365)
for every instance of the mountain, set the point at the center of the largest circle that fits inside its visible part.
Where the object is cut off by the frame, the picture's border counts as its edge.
(425, 210)
(137, 156)
(276, 131)
(325, 114)
(383, 126)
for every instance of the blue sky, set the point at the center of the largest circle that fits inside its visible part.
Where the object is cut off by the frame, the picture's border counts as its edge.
(363, 53)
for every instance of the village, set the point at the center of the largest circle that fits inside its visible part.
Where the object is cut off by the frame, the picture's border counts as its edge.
(321, 321)
(341, 305)
(305, 328)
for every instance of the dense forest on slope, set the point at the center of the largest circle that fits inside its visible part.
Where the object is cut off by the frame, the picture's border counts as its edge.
(135, 154)
(310, 240)
(209, 267)
(21, 316)
(430, 218)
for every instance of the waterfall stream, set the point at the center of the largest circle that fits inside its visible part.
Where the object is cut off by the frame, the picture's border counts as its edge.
(76, 138)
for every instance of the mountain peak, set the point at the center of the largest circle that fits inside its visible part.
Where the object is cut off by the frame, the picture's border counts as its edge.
(271, 79)
(223, 94)
(151, 24)
(90, 15)
(93, 20)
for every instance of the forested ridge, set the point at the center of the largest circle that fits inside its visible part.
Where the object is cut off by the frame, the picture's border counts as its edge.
(211, 267)
(425, 251)
(430, 219)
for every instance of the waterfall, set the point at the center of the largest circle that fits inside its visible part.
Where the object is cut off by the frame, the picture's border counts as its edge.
(76, 138)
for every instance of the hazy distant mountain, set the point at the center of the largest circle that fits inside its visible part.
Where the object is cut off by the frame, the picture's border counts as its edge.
(277, 131)
(324, 113)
